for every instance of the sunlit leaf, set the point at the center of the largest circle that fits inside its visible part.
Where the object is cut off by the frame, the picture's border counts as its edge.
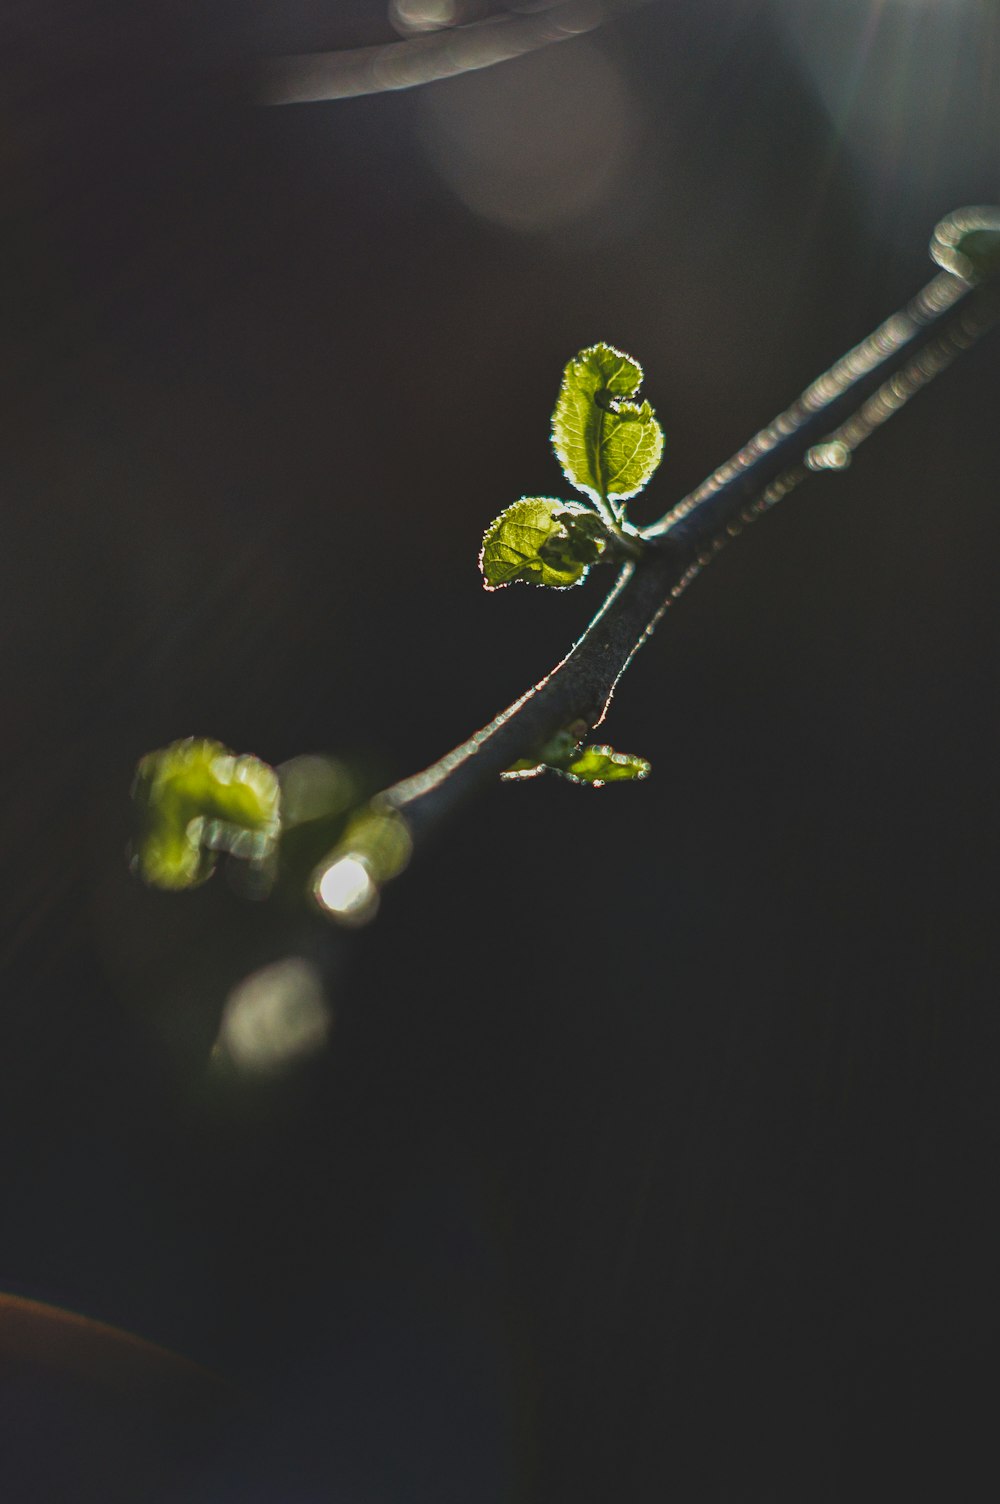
(632, 445)
(195, 799)
(541, 541)
(593, 765)
(608, 445)
(600, 765)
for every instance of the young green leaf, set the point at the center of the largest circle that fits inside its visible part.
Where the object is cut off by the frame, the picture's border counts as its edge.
(608, 445)
(632, 447)
(594, 765)
(600, 765)
(194, 799)
(541, 541)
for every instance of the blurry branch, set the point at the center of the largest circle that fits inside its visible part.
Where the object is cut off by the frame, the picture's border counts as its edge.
(412, 61)
(819, 432)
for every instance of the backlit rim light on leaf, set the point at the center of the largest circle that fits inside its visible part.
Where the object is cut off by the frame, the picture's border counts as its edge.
(531, 543)
(593, 765)
(598, 765)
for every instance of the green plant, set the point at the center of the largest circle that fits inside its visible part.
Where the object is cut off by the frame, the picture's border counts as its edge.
(196, 800)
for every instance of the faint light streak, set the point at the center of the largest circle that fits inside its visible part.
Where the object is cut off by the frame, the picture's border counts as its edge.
(911, 89)
(274, 1018)
(347, 891)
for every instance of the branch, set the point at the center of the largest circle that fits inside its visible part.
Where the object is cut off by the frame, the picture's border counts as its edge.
(818, 432)
(310, 77)
(196, 799)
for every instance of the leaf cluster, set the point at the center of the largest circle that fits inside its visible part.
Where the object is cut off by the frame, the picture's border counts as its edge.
(194, 800)
(609, 446)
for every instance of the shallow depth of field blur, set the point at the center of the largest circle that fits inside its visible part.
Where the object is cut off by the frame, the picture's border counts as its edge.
(645, 1145)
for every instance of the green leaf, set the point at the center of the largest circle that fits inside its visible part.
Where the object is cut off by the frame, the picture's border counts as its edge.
(194, 799)
(593, 765)
(541, 541)
(600, 765)
(608, 445)
(633, 445)
(581, 538)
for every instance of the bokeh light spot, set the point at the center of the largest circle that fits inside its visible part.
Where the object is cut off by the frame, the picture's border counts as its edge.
(346, 891)
(536, 144)
(274, 1018)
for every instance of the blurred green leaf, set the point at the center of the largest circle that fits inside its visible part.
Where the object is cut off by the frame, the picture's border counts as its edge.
(541, 541)
(194, 799)
(608, 445)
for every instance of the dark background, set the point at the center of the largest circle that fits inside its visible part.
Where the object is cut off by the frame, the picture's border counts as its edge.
(655, 1151)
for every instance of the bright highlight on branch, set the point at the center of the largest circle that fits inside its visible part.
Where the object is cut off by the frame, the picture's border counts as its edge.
(346, 891)
(375, 848)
